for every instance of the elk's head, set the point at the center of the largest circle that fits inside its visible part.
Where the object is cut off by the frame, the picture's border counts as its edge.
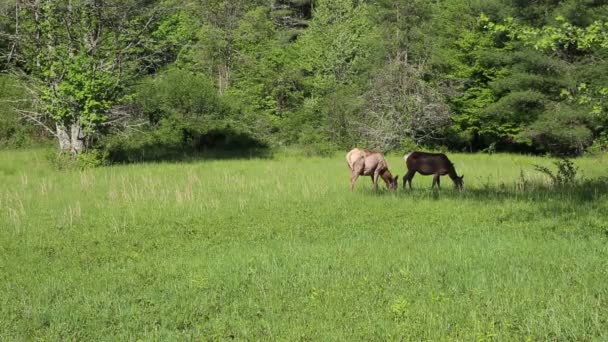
(394, 183)
(459, 182)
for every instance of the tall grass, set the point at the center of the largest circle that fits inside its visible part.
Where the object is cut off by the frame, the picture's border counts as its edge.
(279, 249)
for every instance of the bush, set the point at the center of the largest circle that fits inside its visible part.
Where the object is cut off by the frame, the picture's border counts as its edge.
(66, 161)
(92, 158)
(565, 175)
(600, 145)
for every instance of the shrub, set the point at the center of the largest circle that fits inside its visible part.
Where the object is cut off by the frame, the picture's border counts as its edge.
(66, 161)
(92, 158)
(565, 175)
(600, 145)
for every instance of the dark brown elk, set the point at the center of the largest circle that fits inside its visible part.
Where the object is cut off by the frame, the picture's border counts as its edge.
(426, 164)
(369, 163)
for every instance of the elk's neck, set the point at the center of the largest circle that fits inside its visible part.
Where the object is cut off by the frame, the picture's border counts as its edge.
(452, 174)
(387, 177)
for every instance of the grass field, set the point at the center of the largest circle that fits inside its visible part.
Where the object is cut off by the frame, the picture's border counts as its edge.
(279, 249)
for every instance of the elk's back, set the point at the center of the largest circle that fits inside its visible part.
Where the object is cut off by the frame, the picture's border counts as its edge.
(365, 161)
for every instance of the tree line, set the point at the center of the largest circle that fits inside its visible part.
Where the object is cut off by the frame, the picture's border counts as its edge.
(465, 75)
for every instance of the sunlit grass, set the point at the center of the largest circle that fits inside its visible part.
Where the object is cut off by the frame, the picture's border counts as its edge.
(280, 249)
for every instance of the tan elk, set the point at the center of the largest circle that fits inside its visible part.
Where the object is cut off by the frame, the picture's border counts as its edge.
(369, 163)
(426, 164)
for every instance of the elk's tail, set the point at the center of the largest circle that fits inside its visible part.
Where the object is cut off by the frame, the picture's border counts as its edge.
(348, 161)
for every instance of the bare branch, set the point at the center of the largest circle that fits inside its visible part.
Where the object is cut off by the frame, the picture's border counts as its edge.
(139, 34)
(402, 105)
(32, 116)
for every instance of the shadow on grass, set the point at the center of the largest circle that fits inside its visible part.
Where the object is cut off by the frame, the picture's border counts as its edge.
(576, 209)
(216, 144)
(580, 192)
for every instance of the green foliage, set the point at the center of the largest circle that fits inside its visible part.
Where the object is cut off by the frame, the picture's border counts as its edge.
(517, 83)
(562, 36)
(79, 57)
(181, 94)
(563, 132)
(326, 71)
(515, 75)
(404, 24)
(340, 44)
(90, 159)
(83, 94)
(260, 84)
(599, 146)
(408, 144)
(7, 27)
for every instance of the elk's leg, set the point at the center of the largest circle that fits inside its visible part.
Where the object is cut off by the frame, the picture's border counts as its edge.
(435, 181)
(353, 178)
(412, 178)
(354, 174)
(376, 176)
(408, 178)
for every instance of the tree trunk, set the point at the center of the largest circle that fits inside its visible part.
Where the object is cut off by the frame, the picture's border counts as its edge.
(223, 78)
(72, 141)
(77, 137)
(64, 139)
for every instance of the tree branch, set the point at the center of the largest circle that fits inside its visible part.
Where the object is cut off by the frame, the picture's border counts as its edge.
(32, 117)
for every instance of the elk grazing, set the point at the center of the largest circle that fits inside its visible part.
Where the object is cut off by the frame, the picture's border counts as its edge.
(369, 163)
(426, 164)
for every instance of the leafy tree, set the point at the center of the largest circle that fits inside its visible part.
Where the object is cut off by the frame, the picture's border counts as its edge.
(404, 24)
(334, 57)
(340, 44)
(78, 57)
(214, 51)
(575, 111)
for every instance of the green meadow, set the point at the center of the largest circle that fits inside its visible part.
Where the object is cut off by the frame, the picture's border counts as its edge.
(279, 249)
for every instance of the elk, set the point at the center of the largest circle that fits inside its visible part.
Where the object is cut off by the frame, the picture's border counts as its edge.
(426, 164)
(369, 163)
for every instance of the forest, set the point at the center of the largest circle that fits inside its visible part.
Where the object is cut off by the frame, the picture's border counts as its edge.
(136, 79)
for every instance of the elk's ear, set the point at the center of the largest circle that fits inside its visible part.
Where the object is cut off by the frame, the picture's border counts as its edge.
(396, 177)
(462, 177)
